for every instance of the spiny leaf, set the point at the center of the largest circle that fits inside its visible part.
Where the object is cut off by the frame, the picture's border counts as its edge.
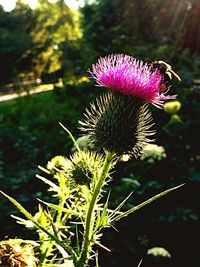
(77, 240)
(52, 224)
(51, 184)
(37, 225)
(148, 201)
(26, 223)
(44, 169)
(102, 220)
(120, 205)
(58, 208)
(104, 214)
(71, 136)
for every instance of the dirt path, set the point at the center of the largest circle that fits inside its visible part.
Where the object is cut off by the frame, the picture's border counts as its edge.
(39, 89)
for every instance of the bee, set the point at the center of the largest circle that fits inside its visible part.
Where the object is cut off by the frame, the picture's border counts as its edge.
(166, 70)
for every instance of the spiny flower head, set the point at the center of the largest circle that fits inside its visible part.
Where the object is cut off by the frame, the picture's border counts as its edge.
(119, 124)
(131, 77)
(85, 166)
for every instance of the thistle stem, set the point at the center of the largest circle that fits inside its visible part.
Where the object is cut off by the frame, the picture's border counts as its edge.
(89, 224)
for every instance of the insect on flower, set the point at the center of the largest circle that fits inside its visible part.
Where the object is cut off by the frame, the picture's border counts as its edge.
(165, 69)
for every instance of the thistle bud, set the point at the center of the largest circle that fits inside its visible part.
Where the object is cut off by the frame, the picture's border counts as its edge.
(172, 107)
(84, 167)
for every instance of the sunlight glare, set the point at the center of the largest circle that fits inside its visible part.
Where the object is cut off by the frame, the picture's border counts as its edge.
(32, 3)
(9, 5)
(74, 4)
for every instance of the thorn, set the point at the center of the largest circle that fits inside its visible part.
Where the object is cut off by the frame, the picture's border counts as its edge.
(140, 263)
(115, 228)
(102, 246)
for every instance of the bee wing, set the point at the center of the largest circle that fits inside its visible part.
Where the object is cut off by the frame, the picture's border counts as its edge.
(175, 74)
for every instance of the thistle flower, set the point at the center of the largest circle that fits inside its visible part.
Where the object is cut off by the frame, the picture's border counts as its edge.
(125, 74)
(121, 121)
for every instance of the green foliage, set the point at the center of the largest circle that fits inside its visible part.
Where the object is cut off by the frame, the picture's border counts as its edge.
(136, 27)
(36, 40)
(77, 204)
(55, 34)
(15, 41)
(30, 135)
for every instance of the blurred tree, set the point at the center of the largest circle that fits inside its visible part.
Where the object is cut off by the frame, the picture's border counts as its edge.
(131, 26)
(33, 40)
(191, 32)
(15, 40)
(116, 26)
(56, 24)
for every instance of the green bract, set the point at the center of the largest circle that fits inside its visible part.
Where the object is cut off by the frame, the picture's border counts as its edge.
(119, 124)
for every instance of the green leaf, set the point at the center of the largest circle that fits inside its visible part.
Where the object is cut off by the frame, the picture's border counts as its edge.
(102, 220)
(148, 201)
(71, 136)
(37, 225)
(51, 184)
(103, 217)
(58, 208)
(120, 206)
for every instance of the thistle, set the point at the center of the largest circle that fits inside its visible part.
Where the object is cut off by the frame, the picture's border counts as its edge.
(132, 77)
(120, 121)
